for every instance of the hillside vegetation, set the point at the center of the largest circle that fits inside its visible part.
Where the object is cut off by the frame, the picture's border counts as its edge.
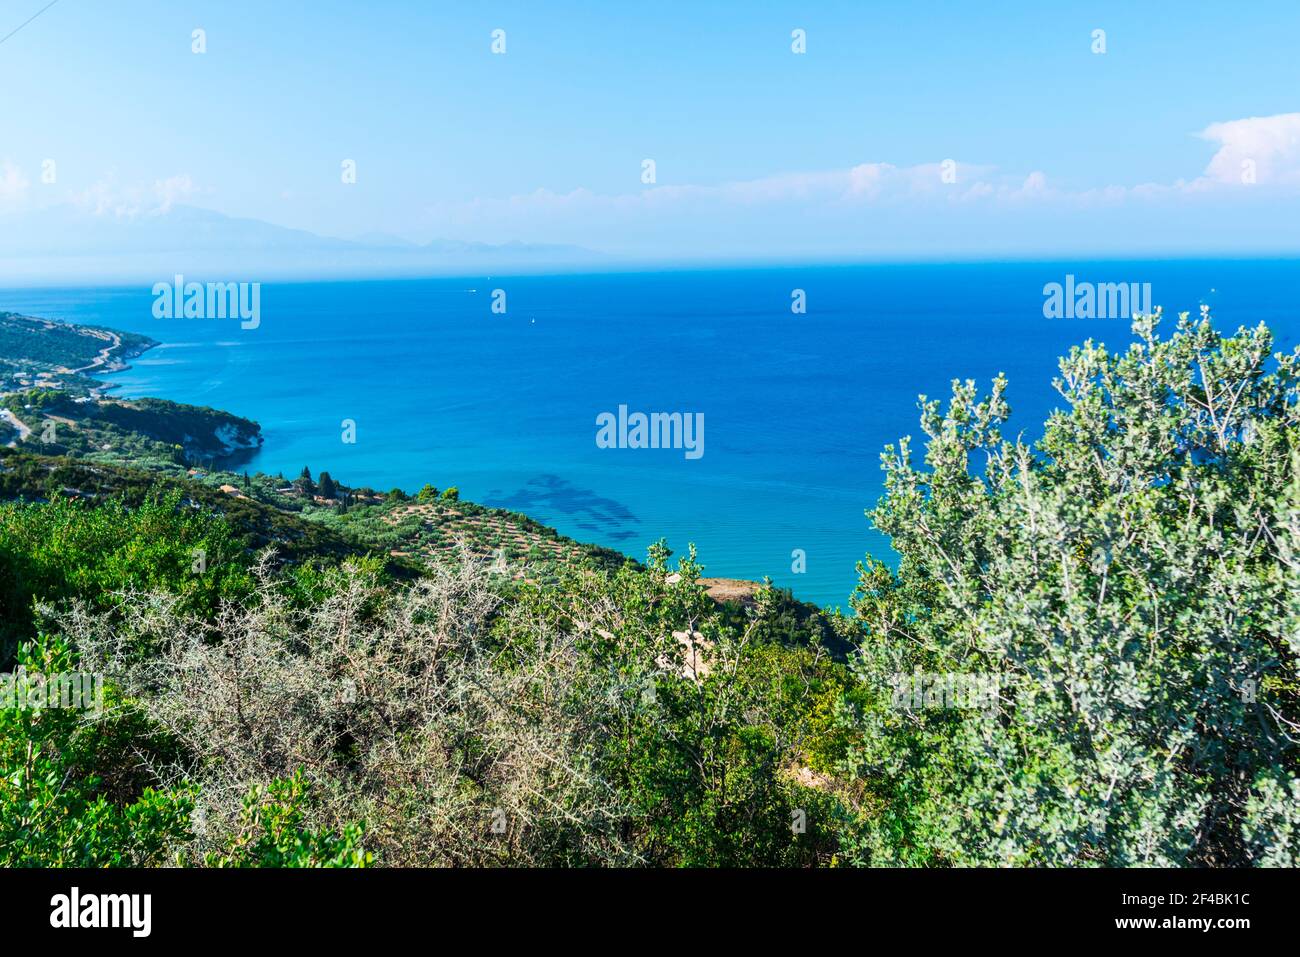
(56, 352)
(1123, 592)
(141, 431)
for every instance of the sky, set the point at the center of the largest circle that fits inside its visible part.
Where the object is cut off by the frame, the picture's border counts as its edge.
(905, 130)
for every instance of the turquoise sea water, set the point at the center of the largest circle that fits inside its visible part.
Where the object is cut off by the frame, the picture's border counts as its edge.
(797, 408)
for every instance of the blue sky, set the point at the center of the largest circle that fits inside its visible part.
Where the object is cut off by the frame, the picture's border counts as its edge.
(759, 152)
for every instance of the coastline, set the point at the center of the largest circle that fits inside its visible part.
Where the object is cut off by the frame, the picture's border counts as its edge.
(721, 589)
(238, 437)
(118, 364)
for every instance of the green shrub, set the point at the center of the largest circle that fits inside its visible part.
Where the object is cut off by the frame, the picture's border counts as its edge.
(272, 833)
(61, 549)
(1133, 581)
(53, 813)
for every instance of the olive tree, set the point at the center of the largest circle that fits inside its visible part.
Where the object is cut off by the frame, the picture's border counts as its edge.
(1130, 584)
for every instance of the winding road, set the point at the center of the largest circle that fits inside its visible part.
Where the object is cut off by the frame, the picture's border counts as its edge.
(17, 423)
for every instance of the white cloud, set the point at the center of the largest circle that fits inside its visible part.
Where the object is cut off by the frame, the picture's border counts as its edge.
(1270, 143)
(1035, 184)
(109, 198)
(169, 191)
(864, 183)
(13, 185)
(868, 183)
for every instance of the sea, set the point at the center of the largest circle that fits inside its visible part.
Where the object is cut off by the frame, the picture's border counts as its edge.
(801, 376)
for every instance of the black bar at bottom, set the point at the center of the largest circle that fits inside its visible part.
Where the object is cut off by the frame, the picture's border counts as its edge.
(629, 907)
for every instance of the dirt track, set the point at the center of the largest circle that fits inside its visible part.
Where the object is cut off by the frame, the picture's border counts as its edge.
(17, 423)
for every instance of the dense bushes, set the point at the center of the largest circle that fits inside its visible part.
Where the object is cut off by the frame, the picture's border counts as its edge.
(1132, 584)
(64, 549)
(73, 794)
(705, 727)
(568, 728)
(290, 715)
(55, 811)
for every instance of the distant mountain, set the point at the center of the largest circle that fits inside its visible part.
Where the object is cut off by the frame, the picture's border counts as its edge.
(69, 243)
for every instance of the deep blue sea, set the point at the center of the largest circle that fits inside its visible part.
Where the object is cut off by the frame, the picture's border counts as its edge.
(797, 408)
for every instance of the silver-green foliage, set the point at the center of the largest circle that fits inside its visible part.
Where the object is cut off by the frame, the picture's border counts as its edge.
(1133, 578)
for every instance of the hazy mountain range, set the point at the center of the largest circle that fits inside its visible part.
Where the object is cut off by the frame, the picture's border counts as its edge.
(73, 243)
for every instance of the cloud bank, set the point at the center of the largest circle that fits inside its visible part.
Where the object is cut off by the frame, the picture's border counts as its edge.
(1243, 199)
